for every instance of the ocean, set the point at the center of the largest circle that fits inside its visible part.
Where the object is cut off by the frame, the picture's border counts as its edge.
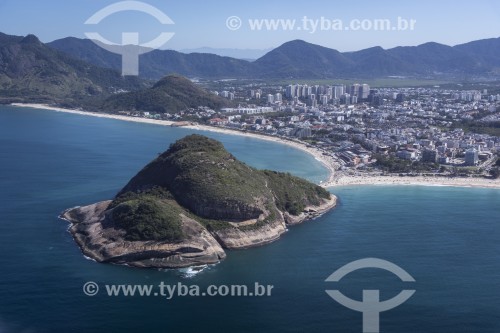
(446, 238)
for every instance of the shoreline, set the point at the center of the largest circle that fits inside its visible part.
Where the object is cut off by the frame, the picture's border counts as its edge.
(416, 181)
(327, 161)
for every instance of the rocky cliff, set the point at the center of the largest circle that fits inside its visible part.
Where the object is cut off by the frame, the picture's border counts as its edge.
(100, 239)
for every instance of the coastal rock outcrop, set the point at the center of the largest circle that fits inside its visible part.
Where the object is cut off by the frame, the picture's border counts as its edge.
(188, 204)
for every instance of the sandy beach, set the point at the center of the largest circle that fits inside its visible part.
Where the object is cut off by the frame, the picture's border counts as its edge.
(333, 180)
(417, 180)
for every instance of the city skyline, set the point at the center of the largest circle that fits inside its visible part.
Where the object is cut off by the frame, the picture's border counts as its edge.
(198, 25)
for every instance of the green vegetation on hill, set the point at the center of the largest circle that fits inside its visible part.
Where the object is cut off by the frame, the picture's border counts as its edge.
(145, 218)
(206, 179)
(30, 71)
(293, 193)
(196, 176)
(155, 193)
(171, 94)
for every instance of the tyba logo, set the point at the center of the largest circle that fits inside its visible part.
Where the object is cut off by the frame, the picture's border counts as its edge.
(370, 306)
(129, 48)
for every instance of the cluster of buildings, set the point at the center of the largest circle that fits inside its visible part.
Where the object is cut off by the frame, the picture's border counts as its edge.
(309, 95)
(303, 94)
(355, 124)
(324, 94)
(453, 148)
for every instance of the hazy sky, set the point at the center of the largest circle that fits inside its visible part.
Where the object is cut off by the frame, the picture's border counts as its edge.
(203, 23)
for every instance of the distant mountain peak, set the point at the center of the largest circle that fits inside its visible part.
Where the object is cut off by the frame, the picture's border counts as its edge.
(301, 43)
(296, 41)
(375, 48)
(31, 39)
(434, 45)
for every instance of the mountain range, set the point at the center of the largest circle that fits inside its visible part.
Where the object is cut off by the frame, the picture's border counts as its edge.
(78, 73)
(33, 72)
(157, 63)
(245, 54)
(298, 59)
(30, 71)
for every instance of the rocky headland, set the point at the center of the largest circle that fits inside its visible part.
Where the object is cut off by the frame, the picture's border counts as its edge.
(189, 204)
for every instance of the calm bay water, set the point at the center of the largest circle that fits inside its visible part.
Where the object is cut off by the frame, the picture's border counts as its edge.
(446, 238)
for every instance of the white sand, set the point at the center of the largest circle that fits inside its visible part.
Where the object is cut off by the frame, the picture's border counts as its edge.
(418, 180)
(327, 161)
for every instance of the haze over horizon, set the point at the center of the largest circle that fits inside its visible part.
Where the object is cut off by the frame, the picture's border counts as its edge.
(200, 25)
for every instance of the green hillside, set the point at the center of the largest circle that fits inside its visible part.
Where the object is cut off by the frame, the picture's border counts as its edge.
(198, 177)
(171, 94)
(30, 71)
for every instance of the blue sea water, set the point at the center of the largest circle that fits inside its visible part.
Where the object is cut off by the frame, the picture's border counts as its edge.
(446, 238)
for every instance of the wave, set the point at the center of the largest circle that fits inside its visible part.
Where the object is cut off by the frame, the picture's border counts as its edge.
(192, 271)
